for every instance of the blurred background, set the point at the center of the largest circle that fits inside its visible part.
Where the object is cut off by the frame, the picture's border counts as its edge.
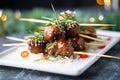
(87, 11)
(28, 4)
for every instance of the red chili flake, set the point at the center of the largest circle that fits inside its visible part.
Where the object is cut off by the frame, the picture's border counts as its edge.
(89, 27)
(83, 56)
(24, 54)
(101, 47)
(108, 38)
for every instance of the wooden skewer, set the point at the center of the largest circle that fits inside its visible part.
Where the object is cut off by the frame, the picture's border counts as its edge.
(22, 40)
(93, 44)
(75, 52)
(41, 27)
(45, 22)
(92, 38)
(94, 34)
(35, 20)
(97, 24)
(16, 39)
(15, 44)
(100, 55)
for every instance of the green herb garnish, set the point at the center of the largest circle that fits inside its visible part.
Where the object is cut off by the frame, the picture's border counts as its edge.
(48, 45)
(57, 21)
(50, 19)
(38, 35)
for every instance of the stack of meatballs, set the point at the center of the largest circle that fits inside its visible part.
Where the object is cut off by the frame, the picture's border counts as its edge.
(61, 38)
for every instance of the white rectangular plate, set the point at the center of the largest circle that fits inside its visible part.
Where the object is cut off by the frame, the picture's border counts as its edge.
(11, 57)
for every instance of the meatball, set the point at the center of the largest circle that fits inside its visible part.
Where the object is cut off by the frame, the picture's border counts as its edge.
(52, 33)
(62, 47)
(36, 46)
(78, 43)
(65, 48)
(52, 49)
(71, 31)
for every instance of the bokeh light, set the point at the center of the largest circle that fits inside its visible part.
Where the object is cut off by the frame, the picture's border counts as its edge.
(4, 17)
(107, 2)
(91, 19)
(100, 2)
(17, 14)
(101, 17)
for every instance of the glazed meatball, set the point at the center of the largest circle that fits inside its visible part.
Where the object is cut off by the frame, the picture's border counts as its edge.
(36, 46)
(71, 31)
(78, 43)
(62, 47)
(52, 33)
